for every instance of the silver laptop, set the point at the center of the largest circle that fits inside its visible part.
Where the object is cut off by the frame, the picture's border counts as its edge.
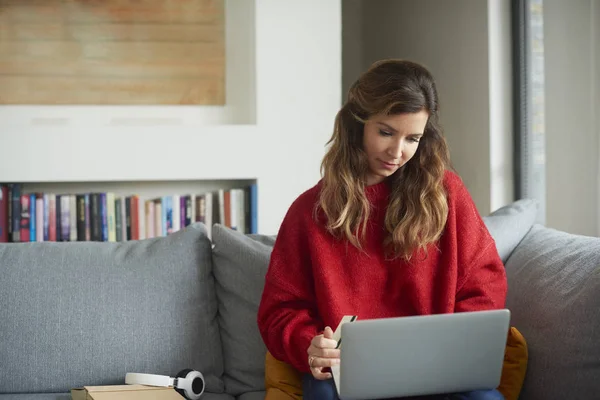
(421, 355)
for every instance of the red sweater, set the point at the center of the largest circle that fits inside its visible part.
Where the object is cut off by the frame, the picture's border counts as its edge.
(314, 280)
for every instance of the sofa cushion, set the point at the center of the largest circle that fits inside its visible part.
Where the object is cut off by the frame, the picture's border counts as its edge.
(554, 296)
(240, 265)
(86, 313)
(508, 225)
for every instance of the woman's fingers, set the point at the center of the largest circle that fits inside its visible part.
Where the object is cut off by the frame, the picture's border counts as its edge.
(323, 353)
(318, 374)
(322, 342)
(320, 362)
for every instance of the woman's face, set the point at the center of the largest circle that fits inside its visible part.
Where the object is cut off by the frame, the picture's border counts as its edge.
(390, 141)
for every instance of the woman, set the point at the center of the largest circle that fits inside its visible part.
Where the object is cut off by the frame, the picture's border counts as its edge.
(388, 231)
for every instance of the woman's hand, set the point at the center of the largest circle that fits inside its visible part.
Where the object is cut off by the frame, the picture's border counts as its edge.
(322, 354)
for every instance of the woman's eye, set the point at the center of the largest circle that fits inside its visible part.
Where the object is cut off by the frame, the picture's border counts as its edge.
(384, 133)
(416, 140)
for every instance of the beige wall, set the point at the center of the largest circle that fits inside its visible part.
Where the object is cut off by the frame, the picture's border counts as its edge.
(353, 60)
(572, 131)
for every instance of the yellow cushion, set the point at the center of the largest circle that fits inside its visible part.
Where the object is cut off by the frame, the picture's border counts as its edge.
(278, 394)
(515, 365)
(283, 382)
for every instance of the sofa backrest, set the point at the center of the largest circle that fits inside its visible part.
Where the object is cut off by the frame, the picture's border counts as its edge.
(86, 313)
(554, 296)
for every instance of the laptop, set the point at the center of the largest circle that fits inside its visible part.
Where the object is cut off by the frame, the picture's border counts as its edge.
(421, 355)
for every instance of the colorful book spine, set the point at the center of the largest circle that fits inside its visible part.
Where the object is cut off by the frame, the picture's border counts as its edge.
(52, 218)
(135, 217)
(176, 206)
(25, 226)
(65, 218)
(15, 212)
(32, 217)
(150, 218)
(39, 217)
(88, 222)
(128, 218)
(46, 217)
(103, 217)
(111, 217)
(72, 218)
(4, 218)
(80, 199)
(158, 217)
(164, 216)
(118, 219)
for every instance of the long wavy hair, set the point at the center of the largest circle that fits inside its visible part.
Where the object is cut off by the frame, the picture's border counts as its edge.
(417, 208)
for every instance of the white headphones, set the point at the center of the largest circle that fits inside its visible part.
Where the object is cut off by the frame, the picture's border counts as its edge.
(188, 383)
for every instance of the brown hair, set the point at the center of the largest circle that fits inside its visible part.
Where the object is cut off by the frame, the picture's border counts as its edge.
(417, 209)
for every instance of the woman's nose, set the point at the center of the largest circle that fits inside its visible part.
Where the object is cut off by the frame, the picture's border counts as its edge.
(395, 150)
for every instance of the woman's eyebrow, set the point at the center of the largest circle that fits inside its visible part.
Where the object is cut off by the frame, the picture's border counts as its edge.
(388, 126)
(395, 131)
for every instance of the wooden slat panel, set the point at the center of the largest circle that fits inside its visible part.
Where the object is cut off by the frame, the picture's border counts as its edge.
(202, 69)
(112, 52)
(129, 11)
(77, 90)
(48, 31)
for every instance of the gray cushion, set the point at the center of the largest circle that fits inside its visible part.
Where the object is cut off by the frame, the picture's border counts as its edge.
(253, 396)
(554, 297)
(86, 313)
(508, 225)
(240, 265)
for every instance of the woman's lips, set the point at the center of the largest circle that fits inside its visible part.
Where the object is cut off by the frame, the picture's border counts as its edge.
(388, 165)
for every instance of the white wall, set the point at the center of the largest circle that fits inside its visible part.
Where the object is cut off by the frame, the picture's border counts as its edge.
(572, 142)
(299, 88)
(470, 59)
(284, 88)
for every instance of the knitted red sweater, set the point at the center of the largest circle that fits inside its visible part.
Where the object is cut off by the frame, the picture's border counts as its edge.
(314, 280)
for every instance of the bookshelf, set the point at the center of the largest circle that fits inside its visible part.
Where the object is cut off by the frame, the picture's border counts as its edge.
(121, 211)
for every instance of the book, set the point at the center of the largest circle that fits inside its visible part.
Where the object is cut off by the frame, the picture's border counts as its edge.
(4, 214)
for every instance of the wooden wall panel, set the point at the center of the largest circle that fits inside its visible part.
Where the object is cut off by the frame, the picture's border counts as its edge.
(112, 52)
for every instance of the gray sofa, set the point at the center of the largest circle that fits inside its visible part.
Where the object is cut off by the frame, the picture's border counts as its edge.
(75, 314)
